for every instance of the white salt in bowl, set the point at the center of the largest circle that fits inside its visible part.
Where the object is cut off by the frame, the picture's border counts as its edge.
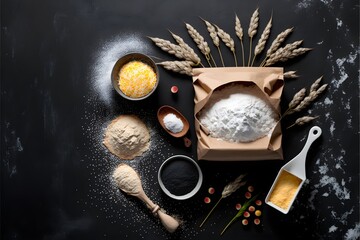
(177, 170)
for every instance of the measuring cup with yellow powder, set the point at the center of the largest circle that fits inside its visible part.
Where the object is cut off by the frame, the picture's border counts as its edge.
(291, 177)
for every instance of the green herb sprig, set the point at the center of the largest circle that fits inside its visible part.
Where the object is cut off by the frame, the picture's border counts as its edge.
(240, 212)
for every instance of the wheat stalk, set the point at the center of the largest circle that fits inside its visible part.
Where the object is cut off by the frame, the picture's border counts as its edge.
(182, 67)
(200, 41)
(294, 53)
(213, 34)
(189, 53)
(310, 98)
(290, 74)
(301, 121)
(253, 25)
(262, 41)
(169, 47)
(227, 191)
(280, 38)
(229, 42)
(233, 186)
(240, 33)
(300, 101)
(283, 53)
(298, 97)
(316, 84)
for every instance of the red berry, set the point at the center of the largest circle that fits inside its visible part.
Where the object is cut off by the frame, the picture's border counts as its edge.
(250, 188)
(174, 89)
(248, 195)
(258, 202)
(251, 209)
(238, 206)
(257, 221)
(211, 190)
(245, 222)
(246, 214)
(207, 200)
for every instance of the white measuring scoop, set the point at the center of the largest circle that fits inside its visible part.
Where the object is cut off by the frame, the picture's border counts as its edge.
(290, 186)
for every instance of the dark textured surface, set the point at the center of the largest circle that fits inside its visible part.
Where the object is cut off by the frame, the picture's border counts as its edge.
(56, 100)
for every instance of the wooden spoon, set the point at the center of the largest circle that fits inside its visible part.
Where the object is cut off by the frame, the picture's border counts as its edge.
(128, 180)
(163, 111)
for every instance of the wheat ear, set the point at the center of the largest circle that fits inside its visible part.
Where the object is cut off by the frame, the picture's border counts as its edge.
(200, 42)
(169, 47)
(301, 121)
(229, 42)
(280, 38)
(310, 98)
(290, 74)
(240, 33)
(182, 67)
(300, 101)
(284, 53)
(253, 25)
(189, 52)
(298, 97)
(227, 191)
(214, 37)
(262, 41)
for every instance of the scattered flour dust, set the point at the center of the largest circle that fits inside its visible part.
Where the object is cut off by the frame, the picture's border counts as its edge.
(127, 137)
(107, 56)
(354, 233)
(237, 113)
(111, 204)
(332, 229)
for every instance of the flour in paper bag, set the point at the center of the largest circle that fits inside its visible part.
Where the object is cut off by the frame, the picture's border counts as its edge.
(238, 113)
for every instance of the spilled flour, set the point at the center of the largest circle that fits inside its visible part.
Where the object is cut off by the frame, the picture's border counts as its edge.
(107, 56)
(102, 193)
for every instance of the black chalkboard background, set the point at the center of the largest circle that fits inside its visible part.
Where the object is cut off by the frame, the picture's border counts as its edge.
(56, 100)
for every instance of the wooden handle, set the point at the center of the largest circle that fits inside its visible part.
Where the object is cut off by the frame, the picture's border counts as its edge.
(170, 223)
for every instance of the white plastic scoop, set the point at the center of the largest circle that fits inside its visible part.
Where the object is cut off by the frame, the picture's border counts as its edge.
(291, 177)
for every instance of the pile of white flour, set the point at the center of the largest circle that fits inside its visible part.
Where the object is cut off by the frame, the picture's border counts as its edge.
(237, 113)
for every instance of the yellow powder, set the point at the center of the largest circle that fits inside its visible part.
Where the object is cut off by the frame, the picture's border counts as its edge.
(284, 189)
(136, 79)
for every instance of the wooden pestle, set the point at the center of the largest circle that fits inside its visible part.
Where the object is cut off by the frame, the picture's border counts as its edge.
(170, 223)
(124, 174)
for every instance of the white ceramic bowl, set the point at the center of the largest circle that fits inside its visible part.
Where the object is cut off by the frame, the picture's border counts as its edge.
(194, 190)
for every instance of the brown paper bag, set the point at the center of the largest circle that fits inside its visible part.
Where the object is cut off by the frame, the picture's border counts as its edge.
(270, 80)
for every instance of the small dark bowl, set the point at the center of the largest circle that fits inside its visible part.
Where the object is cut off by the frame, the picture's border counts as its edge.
(128, 58)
